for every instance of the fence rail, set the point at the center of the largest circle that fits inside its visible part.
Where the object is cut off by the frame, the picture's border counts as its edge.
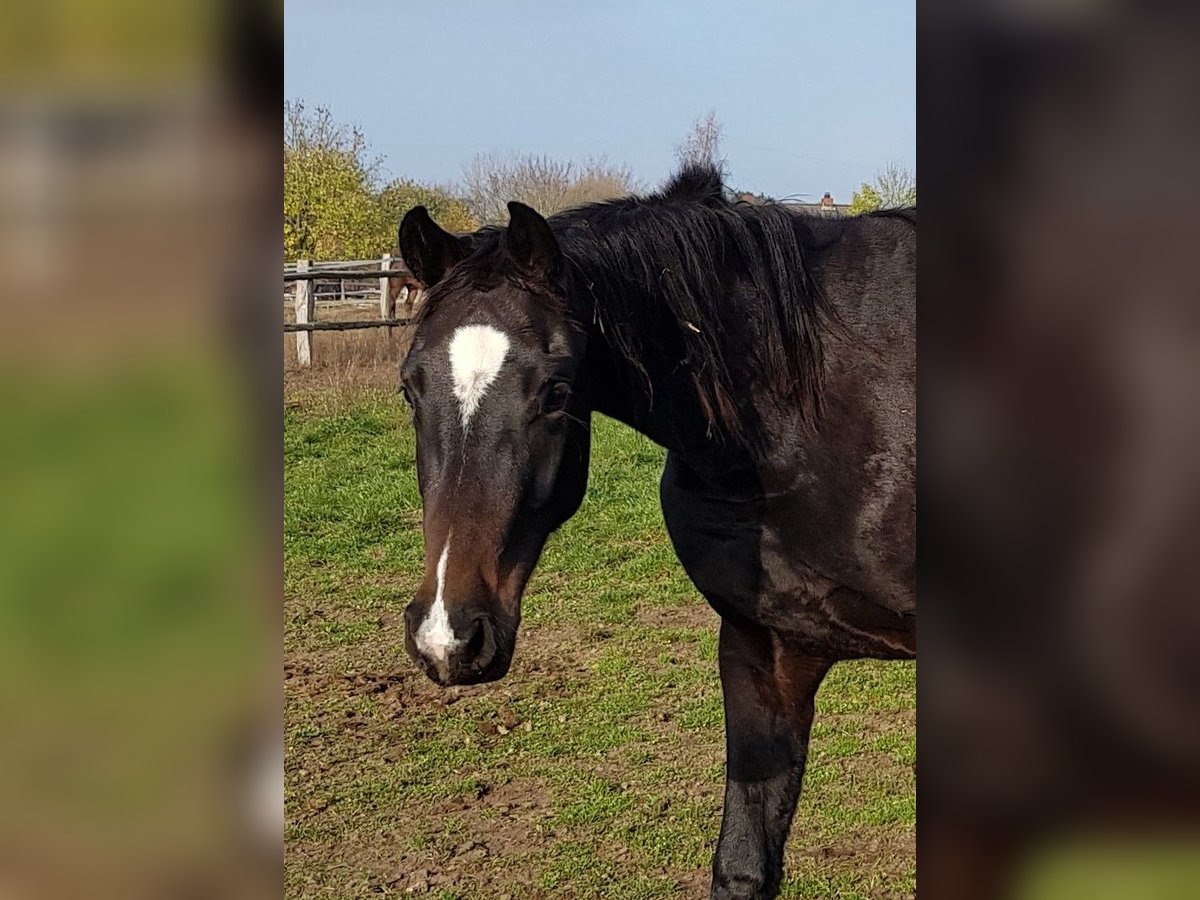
(302, 273)
(342, 326)
(342, 274)
(337, 264)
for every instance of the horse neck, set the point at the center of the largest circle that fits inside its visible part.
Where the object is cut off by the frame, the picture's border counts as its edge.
(661, 404)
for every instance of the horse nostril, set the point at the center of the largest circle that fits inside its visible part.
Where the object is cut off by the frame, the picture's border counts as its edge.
(481, 648)
(475, 644)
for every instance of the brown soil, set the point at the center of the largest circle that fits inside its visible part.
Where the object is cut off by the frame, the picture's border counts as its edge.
(504, 832)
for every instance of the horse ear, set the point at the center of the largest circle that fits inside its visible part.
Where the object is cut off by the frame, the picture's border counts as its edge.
(529, 242)
(427, 249)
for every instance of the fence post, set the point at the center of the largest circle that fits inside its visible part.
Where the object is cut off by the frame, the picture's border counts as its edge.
(387, 305)
(305, 313)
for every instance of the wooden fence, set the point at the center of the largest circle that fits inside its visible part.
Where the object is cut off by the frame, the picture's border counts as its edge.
(308, 278)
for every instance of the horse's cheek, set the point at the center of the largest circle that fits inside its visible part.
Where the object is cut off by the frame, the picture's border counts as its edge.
(546, 460)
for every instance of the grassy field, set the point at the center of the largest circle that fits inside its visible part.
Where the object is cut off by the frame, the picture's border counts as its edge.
(595, 768)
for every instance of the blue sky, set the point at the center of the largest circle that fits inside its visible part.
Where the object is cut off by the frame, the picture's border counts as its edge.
(814, 97)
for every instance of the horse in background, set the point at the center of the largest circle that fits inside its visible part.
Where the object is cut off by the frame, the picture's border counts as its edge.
(404, 290)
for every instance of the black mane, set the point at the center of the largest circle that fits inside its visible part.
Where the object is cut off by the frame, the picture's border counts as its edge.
(702, 183)
(671, 262)
(669, 273)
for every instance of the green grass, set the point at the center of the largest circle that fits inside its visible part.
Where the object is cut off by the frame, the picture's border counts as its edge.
(610, 783)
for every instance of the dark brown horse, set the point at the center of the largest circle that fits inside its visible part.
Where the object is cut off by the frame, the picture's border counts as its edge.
(772, 354)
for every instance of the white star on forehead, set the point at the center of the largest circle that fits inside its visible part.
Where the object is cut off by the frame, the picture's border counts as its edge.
(476, 354)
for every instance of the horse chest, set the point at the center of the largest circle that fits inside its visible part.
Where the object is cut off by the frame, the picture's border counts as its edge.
(716, 540)
(778, 565)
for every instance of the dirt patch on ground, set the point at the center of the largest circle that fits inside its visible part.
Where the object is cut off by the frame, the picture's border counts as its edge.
(494, 840)
(685, 615)
(422, 860)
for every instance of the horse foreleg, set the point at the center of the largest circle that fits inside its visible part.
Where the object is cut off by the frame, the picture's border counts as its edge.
(769, 694)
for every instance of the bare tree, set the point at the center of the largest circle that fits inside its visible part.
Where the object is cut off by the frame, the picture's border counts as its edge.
(317, 131)
(547, 184)
(703, 142)
(896, 186)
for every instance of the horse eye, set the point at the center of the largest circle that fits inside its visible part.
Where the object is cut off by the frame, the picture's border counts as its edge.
(555, 396)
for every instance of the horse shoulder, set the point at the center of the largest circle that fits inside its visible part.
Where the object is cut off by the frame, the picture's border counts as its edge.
(716, 537)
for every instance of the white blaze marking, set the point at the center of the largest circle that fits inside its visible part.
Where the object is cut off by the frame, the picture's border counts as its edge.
(476, 354)
(435, 637)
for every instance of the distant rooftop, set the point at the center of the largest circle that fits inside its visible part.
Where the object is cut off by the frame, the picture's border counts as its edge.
(824, 206)
(819, 208)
